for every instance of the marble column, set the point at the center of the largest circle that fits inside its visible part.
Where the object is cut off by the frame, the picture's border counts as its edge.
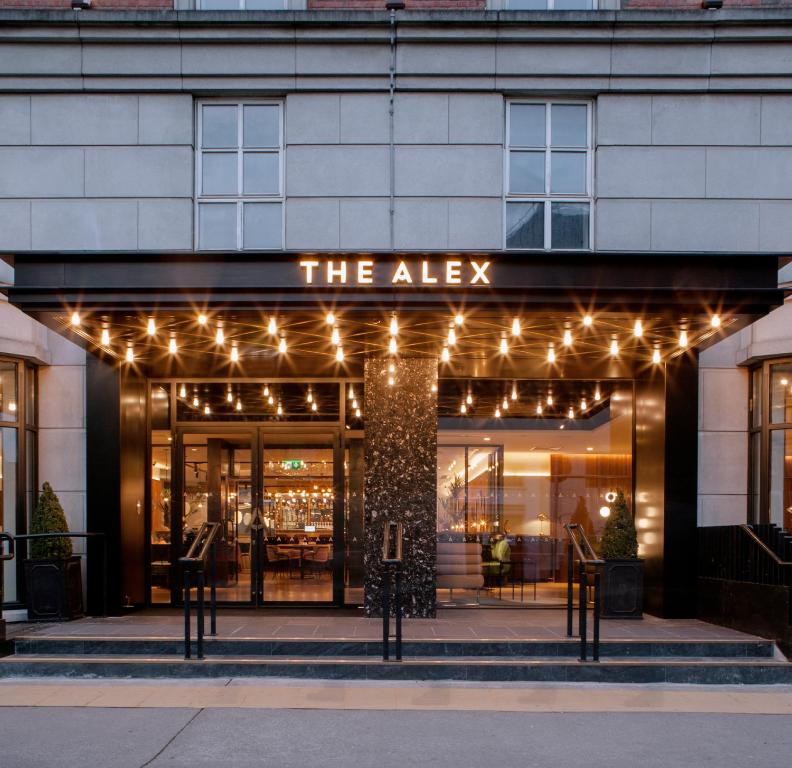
(400, 449)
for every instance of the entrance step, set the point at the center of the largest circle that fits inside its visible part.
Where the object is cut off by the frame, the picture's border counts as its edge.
(754, 671)
(372, 649)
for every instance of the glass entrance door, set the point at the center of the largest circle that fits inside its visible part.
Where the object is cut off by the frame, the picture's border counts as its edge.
(300, 508)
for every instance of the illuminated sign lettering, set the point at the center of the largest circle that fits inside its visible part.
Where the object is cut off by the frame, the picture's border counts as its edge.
(403, 273)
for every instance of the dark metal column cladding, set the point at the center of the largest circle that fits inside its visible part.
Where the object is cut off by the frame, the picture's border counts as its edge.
(401, 476)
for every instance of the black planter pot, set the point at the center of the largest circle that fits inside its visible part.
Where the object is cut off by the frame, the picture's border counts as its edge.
(622, 589)
(54, 589)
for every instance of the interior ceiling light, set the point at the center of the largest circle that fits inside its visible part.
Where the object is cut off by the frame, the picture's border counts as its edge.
(330, 319)
(538, 409)
(339, 355)
(516, 329)
(239, 405)
(394, 326)
(272, 327)
(282, 346)
(571, 412)
(309, 396)
(234, 354)
(314, 407)
(497, 413)
(551, 355)
(567, 338)
(638, 329)
(196, 401)
(583, 404)
(172, 346)
(514, 392)
(151, 327)
(393, 347)
(715, 322)
(445, 355)
(451, 337)
(266, 391)
(656, 356)
(130, 354)
(597, 394)
(183, 391)
(202, 319)
(459, 319)
(469, 398)
(220, 336)
(207, 409)
(229, 396)
(504, 346)
(588, 321)
(270, 400)
(280, 410)
(463, 408)
(351, 395)
(614, 347)
(105, 337)
(505, 404)
(335, 337)
(683, 338)
(357, 413)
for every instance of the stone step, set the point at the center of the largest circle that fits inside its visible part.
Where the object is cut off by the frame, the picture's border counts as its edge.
(293, 647)
(639, 670)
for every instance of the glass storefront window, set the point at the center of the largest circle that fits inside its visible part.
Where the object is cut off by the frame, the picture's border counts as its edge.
(781, 478)
(781, 393)
(9, 403)
(8, 505)
(160, 522)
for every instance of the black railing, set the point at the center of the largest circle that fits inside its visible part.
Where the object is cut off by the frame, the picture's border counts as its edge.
(579, 549)
(745, 553)
(202, 551)
(76, 535)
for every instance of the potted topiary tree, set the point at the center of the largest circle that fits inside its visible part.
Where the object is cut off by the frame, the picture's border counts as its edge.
(622, 578)
(52, 573)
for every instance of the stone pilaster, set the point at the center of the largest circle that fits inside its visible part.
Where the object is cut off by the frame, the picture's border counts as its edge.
(401, 476)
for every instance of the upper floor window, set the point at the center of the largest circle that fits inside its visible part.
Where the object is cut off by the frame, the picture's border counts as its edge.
(241, 5)
(239, 172)
(548, 175)
(550, 5)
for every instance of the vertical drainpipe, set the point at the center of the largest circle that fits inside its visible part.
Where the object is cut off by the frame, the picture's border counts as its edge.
(395, 5)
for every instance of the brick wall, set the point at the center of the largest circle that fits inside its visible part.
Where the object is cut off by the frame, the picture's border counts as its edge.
(98, 4)
(696, 4)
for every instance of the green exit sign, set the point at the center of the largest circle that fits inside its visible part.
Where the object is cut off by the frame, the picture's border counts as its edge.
(293, 464)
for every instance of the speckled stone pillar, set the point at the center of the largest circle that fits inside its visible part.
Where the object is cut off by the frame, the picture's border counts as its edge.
(401, 476)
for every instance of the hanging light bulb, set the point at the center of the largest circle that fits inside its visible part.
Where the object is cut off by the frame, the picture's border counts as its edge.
(516, 329)
(451, 337)
(393, 347)
(656, 356)
(272, 327)
(583, 404)
(314, 407)
(683, 338)
(571, 412)
(220, 336)
(239, 404)
(183, 391)
(202, 319)
(551, 355)
(151, 327)
(266, 391)
(339, 355)
(391, 381)
(280, 410)
(330, 319)
(355, 403)
(504, 346)
(497, 413)
(335, 337)
(105, 337)
(469, 398)
(270, 400)
(130, 354)
(538, 409)
(459, 319)
(351, 395)
(715, 321)
(172, 347)
(433, 388)
(567, 338)
(309, 396)
(196, 401)
(588, 321)
(514, 392)
(394, 325)
(638, 329)
(282, 345)
(229, 397)
(445, 355)
(614, 347)
(75, 319)
(597, 394)
(463, 408)
(357, 413)
(505, 404)
(207, 410)
(549, 398)
(234, 354)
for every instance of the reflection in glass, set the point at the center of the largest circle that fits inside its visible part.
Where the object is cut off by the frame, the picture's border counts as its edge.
(781, 393)
(527, 126)
(527, 173)
(781, 478)
(568, 125)
(9, 404)
(570, 225)
(217, 225)
(219, 126)
(160, 517)
(525, 225)
(568, 173)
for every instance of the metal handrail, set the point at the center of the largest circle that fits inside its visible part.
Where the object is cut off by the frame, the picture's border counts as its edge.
(75, 535)
(202, 549)
(585, 563)
(769, 552)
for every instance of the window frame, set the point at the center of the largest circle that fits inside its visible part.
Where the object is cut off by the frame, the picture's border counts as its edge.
(240, 198)
(242, 7)
(547, 197)
(764, 429)
(505, 5)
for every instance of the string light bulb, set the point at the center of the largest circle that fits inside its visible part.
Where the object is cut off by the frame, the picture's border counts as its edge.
(130, 354)
(445, 355)
(538, 409)
(234, 354)
(614, 347)
(571, 412)
(656, 356)
(505, 404)
(207, 410)
(202, 319)
(105, 337)
(394, 325)
(239, 404)
(357, 413)
(280, 410)
(588, 321)
(683, 338)
(172, 346)
(282, 345)
(597, 394)
(393, 347)
(497, 413)
(567, 338)
(229, 397)
(272, 327)
(551, 355)
(463, 408)
(469, 398)
(75, 319)
(516, 329)
(220, 336)
(309, 397)
(339, 355)
(183, 391)
(151, 327)
(638, 329)
(270, 400)
(355, 403)
(266, 391)
(514, 392)
(504, 346)
(715, 321)
(583, 404)
(335, 337)
(314, 407)
(196, 401)
(459, 319)
(330, 319)
(451, 337)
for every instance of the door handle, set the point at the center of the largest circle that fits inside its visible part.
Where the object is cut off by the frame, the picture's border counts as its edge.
(10, 539)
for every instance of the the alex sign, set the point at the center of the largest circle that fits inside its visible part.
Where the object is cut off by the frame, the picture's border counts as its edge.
(405, 273)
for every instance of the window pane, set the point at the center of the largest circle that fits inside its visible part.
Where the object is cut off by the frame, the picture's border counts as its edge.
(260, 126)
(219, 126)
(527, 5)
(260, 176)
(781, 393)
(756, 475)
(217, 226)
(526, 173)
(570, 225)
(568, 125)
(219, 5)
(572, 5)
(756, 397)
(568, 172)
(781, 478)
(9, 405)
(527, 127)
(525, 225)
(264, 5)
(8, 500)
(31, 379)
(219, 173)
(262, 228)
